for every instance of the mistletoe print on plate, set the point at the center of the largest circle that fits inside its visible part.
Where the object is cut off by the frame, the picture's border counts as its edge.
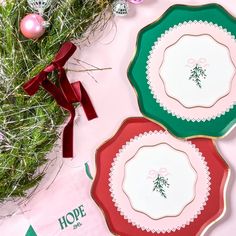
(184, 71)
(150, 183)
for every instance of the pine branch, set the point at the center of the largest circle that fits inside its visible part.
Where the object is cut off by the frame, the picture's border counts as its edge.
(159, 184)
(197, 74)
(28, 126)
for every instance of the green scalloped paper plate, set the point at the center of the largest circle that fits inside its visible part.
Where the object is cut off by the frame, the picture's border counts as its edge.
(212, 116)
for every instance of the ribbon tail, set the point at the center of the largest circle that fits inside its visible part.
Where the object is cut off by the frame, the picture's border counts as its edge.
(67, 142)
(67, 88)
(87, 104)
(67, 138)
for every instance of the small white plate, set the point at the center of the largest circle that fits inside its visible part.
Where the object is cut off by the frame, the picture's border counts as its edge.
(197, 71)
(173, 192)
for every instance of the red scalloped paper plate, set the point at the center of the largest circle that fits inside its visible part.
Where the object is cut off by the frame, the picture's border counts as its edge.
(189, 206)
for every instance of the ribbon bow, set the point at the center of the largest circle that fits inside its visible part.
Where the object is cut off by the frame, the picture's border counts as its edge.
(193, 62)
(65, 94)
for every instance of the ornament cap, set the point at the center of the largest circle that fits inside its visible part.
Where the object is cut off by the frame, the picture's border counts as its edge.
(39, 5)
(120, 7)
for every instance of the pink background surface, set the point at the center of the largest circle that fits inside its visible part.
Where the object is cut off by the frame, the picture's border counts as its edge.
(114, 100)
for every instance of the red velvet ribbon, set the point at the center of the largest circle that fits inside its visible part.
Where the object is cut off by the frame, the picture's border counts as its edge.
(65, 94)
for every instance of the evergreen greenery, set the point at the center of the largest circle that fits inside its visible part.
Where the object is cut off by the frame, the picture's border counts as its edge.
(28, 126)
(197, 74)
(160, 183)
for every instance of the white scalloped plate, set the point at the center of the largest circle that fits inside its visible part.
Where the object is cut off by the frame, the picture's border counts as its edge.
(167, 194)
(190, 209)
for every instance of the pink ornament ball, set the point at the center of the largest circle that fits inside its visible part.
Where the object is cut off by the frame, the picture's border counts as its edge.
(136, 1)
(32, 26)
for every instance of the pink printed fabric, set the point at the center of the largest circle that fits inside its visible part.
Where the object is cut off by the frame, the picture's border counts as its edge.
(17, 224)
(66, 208)
(113, 48)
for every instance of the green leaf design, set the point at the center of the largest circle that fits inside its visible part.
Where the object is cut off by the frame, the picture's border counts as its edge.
(160, 184)
(87, 170)
(197, 74)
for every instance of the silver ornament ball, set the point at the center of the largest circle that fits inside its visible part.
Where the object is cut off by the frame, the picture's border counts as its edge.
(120, 7)
(39, 5)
